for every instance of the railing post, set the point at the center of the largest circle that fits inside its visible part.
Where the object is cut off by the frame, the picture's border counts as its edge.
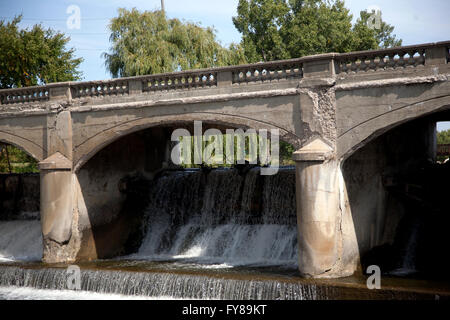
(435, 56)
(134, 86)
(60, 92)
(321, 67)
(224, 78)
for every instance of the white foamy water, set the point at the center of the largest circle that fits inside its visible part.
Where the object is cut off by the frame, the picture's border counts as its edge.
(20, 240)
(225, 245)
(156, 285)
(222, 219)
(26, 293)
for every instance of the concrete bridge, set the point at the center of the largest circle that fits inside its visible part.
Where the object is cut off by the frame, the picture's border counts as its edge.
(341, 112)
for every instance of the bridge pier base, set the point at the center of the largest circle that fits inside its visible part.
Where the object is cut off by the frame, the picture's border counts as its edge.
(327, 241)
(56, 207)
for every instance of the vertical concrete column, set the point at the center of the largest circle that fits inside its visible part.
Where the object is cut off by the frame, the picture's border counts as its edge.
(56, 205)
(317, 196)
(327, 241)
(56, 188)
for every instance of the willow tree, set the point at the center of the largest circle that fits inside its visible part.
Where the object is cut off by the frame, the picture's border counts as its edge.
(148, 42)
(34, 56)
(281, 29)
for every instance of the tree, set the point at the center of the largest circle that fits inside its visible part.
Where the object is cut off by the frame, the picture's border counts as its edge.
(14, 160)
(33, 57)
(148, 43)
(260, 22)
(443, 137)
(373, 38)
(281, 29)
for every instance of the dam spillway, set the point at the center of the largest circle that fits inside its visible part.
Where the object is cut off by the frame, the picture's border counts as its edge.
(200, 239)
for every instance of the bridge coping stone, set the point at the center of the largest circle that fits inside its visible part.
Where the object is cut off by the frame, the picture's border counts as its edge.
(55, 162)
(316, 66)
(316, 150)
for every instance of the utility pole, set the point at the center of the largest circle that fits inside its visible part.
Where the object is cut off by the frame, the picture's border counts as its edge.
(162, 6)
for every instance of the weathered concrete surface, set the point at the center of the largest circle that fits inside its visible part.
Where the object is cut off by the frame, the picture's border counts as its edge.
(98, 129)
(366, 113)
(345, 100)
(327, 241)
(19, 196)
(105, 220)
(376, 212)
(56, 204)
(25, 132)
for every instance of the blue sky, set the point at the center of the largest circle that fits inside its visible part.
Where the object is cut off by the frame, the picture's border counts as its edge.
(415, 21)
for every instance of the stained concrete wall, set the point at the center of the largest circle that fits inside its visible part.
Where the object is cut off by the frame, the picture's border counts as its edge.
(19, 196)
(105, 220)
(367, 112)
(369, 172)
(92, 130)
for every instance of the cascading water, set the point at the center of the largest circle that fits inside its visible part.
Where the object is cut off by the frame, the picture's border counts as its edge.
(222, 217)
(20, 240)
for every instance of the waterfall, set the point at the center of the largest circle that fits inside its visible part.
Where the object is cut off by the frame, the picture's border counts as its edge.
(28, 293)
(217, 219)
(222, 217)
(20, 240)
(160, 285)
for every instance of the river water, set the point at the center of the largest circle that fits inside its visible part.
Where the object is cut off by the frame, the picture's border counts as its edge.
(222, 234)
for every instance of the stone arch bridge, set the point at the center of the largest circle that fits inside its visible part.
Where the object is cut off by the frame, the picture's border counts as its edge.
(327, 106)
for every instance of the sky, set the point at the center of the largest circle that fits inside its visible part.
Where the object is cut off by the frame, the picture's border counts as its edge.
(415, 21)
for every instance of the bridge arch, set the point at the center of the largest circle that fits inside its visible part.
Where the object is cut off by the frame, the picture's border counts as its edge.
(87, 149)
(394, 184)
(360, 135)
(31, 148)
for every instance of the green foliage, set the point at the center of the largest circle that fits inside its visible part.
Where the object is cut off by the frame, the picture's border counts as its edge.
(443, 137)
(31, 57)
(260, 23)
(285, 152)
(14, 160)
(148, 43)
(366, 38)
(282, 29)
(34, 57)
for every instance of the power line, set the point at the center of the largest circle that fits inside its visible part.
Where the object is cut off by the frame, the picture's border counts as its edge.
(50, 19)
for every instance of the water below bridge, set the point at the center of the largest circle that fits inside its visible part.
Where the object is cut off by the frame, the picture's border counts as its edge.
(221, 234)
